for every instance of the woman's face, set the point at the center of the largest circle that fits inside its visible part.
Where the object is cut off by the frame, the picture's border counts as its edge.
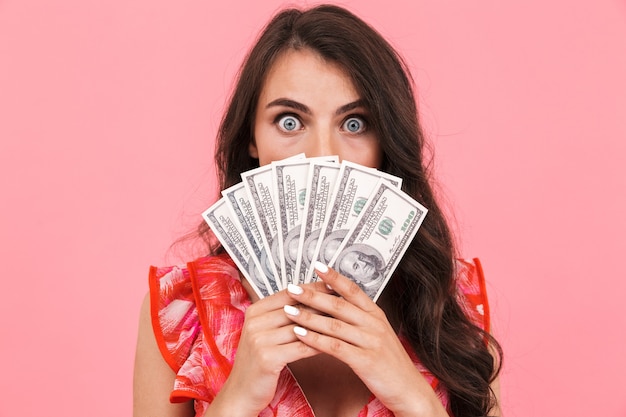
(310, 106)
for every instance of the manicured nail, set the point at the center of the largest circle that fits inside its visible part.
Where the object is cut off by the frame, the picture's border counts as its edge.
(291, 310)
(300, 331)
(321, 267)
(294, 289)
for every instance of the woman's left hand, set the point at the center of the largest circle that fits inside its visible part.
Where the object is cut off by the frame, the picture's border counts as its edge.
(355, 330)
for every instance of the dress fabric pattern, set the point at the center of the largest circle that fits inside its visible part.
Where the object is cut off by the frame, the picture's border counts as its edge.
(197, 315)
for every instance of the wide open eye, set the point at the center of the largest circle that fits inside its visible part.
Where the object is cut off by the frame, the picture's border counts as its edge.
(354, 125)
(289, 123)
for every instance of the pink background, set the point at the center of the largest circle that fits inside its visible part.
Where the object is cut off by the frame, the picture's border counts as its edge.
(107, 114)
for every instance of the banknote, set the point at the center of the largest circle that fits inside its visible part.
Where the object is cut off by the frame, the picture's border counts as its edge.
(224, 225)
(238, 202)
(290, 183)
(354, 185)
(258, 183)
(320, 185)
(379, 238)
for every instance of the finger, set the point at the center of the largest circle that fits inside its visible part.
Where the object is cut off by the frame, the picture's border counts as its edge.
(256, 323)
(320, 286)
(331, 305)
(294, 351)
(329, 326)
(336, 306)
(259, 341)
(258, 354)
(275, 301)
(338, 348)
(345, 287)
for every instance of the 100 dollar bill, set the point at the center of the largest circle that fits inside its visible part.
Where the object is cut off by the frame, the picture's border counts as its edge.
(237, 199)
(375, 244)
(227, 231)
(259, 186)
(355, 184)
(290, 184)
(321, 182)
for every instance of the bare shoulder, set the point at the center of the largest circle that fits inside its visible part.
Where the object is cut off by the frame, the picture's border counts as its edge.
(153, 378)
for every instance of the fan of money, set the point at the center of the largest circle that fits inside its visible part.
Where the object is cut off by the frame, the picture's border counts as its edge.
(284, 216)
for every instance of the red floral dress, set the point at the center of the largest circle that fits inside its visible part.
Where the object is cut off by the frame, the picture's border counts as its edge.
(197, 315)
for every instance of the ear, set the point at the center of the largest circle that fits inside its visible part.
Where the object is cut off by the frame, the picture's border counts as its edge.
(252, 150)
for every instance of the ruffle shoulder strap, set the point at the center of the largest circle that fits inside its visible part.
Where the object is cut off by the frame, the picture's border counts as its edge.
(197, 315)
(472, 293)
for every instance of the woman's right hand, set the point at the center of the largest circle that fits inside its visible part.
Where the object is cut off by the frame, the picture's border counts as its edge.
(266, 346)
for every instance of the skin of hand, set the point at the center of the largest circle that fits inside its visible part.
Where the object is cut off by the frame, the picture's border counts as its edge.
(351, 327)
(268, 343)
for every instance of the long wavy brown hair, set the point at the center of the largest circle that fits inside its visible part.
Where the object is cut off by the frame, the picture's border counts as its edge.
(456, 351)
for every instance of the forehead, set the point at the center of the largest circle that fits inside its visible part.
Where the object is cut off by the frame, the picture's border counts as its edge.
(303, 75)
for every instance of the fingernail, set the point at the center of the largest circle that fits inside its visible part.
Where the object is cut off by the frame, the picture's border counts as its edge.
(329, 287)
(294, 289)
(291, 310)
(321, 267)
(300, 331)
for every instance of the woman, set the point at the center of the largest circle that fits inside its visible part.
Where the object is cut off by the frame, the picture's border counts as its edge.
(321, 82)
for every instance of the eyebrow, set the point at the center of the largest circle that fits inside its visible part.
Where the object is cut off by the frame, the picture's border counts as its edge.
(304, 109)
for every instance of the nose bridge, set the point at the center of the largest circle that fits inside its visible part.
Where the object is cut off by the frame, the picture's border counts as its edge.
(322, 142)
